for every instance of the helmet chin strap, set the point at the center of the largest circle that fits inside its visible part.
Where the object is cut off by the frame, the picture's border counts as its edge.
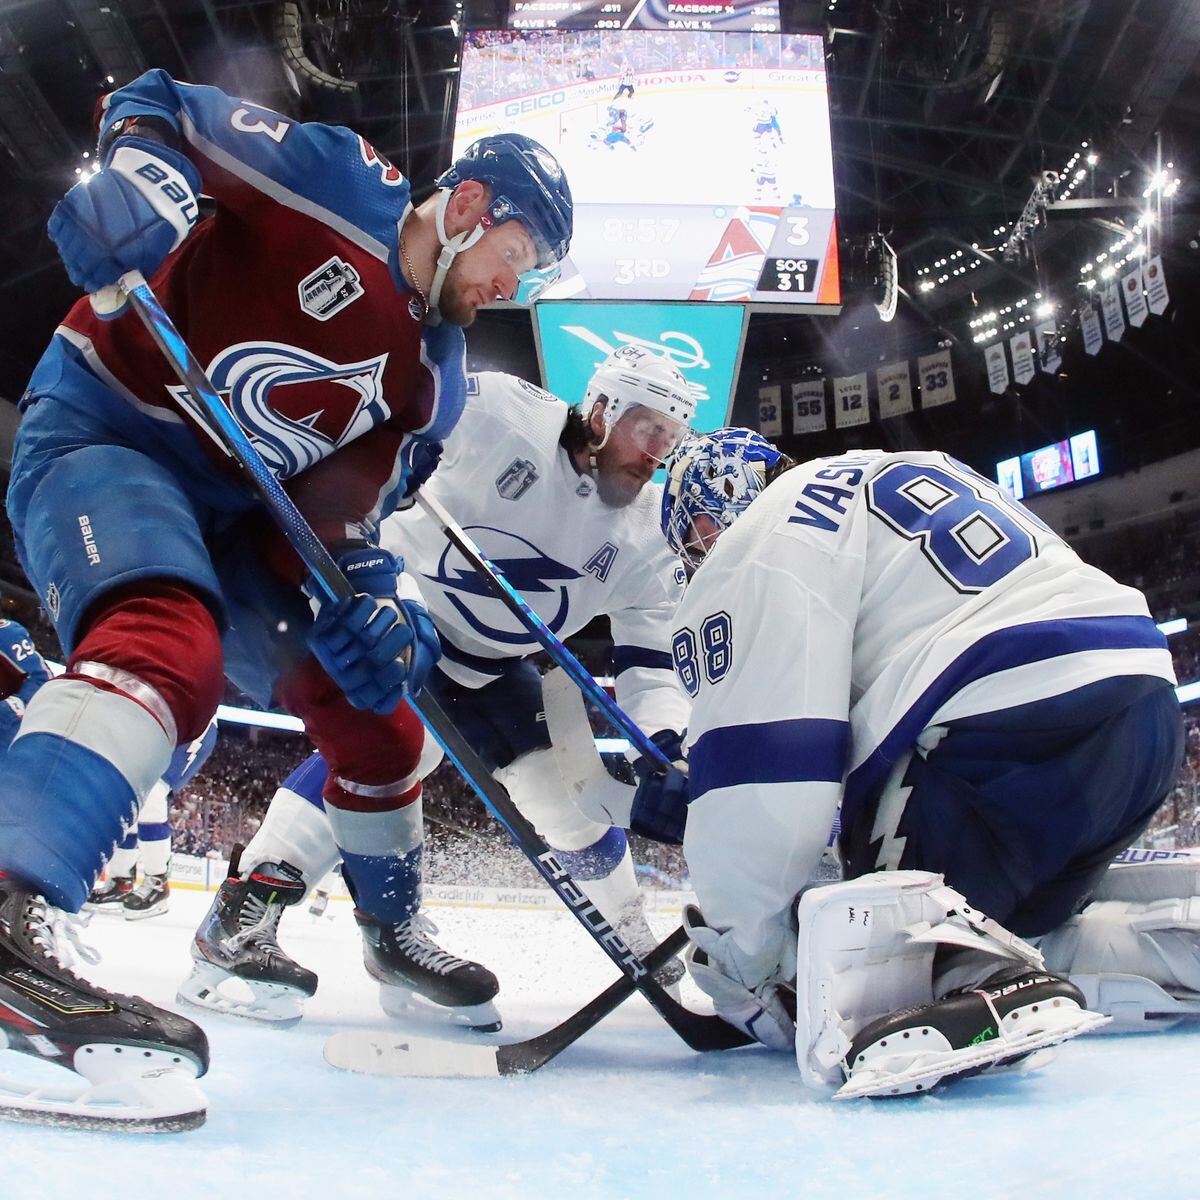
(595, 447)
(451, 248)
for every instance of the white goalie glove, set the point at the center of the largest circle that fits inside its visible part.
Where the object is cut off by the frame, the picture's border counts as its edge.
(752, 992)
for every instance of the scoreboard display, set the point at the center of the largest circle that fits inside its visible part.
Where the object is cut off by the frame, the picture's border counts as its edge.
(1049, 467)
(757, 16)
(699, 159)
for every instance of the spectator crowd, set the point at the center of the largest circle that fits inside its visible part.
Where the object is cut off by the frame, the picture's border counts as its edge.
(225, 803)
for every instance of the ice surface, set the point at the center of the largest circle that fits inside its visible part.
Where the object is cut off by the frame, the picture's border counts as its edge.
(627, 1112)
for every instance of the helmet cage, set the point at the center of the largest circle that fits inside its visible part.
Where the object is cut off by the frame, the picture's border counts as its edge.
(716, 476)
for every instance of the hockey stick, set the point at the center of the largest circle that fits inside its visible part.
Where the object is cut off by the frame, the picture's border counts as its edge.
(384, 1052)
(493, 577)
(698, 1031)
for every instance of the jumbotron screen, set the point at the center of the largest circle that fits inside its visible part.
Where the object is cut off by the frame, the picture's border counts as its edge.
(759, 16)
(1052, 466)
(700, 162)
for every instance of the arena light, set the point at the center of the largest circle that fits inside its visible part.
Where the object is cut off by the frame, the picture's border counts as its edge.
(227, 715)
(1168, 628)
(1188, 692)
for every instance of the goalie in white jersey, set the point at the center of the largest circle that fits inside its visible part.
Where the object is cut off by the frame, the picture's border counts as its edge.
(560, 500)
(893, 634)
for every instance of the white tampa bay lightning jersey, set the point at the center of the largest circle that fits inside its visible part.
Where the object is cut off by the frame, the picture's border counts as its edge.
(860, 601)
(506, 480)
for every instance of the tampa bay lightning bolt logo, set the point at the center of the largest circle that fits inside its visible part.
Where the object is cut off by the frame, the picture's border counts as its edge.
(535, 575)
(296, 406)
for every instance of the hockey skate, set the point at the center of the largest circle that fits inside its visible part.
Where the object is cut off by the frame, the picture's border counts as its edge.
(150, 898)
(134, 1064)
(417, 977)
(109, 896)
(239, 968)
(1016, 1012)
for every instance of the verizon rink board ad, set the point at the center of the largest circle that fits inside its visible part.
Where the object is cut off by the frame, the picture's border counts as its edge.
(700, 162)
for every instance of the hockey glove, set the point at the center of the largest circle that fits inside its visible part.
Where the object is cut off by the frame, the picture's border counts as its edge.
(660, 802)
(421, 458)
(376, 647)
(748, 991)
(129, 216)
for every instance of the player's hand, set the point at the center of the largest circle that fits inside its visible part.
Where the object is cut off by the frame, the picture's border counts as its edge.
(660, 802)
(128, 217)
(376, 647)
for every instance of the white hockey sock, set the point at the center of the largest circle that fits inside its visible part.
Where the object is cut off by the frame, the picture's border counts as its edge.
(296, 832)
(615, 894)
(123, 864)
(154, 830)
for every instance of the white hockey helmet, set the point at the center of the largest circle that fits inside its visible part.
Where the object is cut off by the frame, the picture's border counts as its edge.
(634, 377)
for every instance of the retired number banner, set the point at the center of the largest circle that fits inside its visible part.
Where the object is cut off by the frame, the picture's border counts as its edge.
(936, 379)
(895, 390)
(850, 400)
(808, 406)
(770, 410)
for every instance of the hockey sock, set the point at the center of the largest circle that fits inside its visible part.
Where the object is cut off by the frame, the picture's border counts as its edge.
(123, 864)
(154, 830)
(606, 871)
(86, 753)
(295, 829)
(381, 858)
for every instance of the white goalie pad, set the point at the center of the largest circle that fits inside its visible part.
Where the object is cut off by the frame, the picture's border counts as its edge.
(1134, 951)
(593, 790)
(865, 949)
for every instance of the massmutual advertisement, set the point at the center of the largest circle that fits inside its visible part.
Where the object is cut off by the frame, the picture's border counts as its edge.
(703, 340)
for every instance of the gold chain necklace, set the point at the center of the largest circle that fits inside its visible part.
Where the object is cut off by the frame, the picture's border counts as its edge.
(412, 273)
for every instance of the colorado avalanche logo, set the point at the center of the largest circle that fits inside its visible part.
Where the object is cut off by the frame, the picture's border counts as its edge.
(538, 578)
(296, 406)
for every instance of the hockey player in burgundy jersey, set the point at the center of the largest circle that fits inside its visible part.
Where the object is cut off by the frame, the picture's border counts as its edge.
(327, 311)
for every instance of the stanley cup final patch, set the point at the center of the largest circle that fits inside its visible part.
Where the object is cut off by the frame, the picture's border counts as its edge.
(516, 479)
(328, 290)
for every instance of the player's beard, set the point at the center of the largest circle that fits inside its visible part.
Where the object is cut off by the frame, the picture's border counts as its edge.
(618, 487)
(454, 303)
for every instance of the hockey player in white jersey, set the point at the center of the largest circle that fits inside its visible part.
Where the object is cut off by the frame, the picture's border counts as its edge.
(561, 501)
(996, 719)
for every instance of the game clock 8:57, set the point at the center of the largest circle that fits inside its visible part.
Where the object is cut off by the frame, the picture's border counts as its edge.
(645, 230)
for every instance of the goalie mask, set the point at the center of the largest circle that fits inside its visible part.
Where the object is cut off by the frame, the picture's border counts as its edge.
(711, 480)
(646, 393)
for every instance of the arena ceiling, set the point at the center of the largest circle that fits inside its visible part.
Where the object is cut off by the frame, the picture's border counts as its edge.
(945, 115)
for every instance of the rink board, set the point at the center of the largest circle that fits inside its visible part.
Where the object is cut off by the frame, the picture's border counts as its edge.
(192, 874)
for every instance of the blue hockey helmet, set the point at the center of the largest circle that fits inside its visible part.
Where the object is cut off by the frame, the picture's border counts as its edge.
(711, 479)
(527, 185)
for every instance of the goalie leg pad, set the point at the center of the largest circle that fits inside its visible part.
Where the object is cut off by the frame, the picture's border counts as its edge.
(1135, 953)
(866, 948)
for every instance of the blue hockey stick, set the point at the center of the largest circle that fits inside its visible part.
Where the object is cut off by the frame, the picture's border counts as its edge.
(513, 601)
(700, 1032)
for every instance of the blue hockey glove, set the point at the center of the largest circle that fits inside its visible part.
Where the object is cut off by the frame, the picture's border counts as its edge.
(661, 800)
(374, 646)
(421, 458)
(129, 216)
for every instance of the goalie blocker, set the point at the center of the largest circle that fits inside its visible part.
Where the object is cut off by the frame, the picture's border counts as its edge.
(905, 987)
